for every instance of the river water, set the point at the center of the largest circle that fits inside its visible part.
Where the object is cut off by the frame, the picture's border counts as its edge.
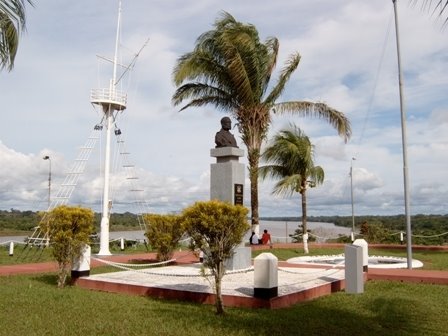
(279, 230)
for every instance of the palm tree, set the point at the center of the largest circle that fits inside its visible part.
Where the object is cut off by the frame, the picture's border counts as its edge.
(231, 69)
(12, 23)
(290, 159)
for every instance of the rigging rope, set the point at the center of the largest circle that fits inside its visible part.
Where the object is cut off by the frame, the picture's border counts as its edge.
(127, 268)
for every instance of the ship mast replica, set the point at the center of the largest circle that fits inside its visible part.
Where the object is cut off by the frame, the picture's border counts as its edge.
(112, 101)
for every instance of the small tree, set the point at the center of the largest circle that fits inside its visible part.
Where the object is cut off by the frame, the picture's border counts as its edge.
(290, 160)
(375, 232)
(216, 228)
(69, 229)
(163, 233)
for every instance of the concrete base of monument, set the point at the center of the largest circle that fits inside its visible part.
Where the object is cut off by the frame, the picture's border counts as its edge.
(185, 282)
(241, 259)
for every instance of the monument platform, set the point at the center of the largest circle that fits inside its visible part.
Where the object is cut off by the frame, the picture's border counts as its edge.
(185, 282)
(300, 288)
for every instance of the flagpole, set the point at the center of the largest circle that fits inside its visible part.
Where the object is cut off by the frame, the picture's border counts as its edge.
(404, 144)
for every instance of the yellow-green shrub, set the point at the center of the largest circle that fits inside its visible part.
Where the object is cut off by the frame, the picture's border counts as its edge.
(69, 229)
(216, 228)
(163, 233)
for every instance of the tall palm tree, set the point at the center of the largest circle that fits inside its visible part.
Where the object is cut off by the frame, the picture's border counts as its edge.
(290, 161)
(231, 69)
(12, 23)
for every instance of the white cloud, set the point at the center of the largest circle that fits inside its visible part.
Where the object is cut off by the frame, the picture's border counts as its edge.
(348, 61)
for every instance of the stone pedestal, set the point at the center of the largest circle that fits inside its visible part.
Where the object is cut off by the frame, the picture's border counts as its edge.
(242, 259)
(354, 280)
(227, 175)
(227, 185)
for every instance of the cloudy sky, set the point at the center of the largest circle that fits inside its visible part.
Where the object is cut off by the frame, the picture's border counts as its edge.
(348, 61)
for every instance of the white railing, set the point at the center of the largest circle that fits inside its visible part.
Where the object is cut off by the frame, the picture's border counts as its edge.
(108, 96)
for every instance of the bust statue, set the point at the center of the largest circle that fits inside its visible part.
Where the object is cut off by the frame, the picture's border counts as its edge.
(224, 138)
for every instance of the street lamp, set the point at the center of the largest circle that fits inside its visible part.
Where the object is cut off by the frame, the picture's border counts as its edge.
(46, 157)
(353, 206)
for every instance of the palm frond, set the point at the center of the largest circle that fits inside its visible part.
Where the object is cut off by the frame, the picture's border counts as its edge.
(288, 185)
(202, 94)
(291, 65)
(334, 117)
(272, 45)
(437, 7)
(12, 23)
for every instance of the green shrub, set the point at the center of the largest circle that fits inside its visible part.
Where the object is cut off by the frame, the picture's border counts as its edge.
(69, 229)
(216, 228)
(163, 233)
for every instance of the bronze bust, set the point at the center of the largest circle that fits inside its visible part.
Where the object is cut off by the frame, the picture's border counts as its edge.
(224, 138)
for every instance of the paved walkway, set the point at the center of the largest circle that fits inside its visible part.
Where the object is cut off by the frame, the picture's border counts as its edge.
(186, 257)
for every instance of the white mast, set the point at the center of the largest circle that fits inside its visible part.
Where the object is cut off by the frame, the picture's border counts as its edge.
(353, 206)
(110, 100)
(404, 145)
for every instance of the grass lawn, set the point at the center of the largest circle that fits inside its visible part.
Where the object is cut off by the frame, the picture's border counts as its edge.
(32, 305)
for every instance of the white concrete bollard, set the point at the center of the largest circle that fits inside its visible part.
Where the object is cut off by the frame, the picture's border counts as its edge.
(365, 253)
(354, 279)
(266, 276)
(122, 244)
(11, 249)
(81, 267)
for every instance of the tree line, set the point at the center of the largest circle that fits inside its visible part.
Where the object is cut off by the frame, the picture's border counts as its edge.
(426, 229)
(17, 221)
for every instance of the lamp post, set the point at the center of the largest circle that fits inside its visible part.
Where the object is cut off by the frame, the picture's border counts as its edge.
(351, 190)
(46, 157)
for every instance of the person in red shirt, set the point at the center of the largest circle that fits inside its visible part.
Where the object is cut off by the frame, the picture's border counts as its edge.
(266, 238)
